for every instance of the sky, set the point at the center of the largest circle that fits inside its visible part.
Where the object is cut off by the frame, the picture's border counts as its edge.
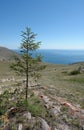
(59, 24)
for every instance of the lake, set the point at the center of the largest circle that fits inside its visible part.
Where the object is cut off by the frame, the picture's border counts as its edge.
(61, 56)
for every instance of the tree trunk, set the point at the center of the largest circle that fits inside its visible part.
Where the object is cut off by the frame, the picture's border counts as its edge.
(27, 80)
(26, 86)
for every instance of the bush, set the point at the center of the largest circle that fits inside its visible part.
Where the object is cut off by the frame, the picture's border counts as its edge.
(74, 72)
(34, 105)
(2, 111)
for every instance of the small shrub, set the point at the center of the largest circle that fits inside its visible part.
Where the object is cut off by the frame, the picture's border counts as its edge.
(36, 110)
(22, 103)
(2, 111)
(6, 94)
(34, 105)
(74, 72)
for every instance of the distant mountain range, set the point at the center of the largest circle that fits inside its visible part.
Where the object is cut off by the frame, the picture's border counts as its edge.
(7, 54)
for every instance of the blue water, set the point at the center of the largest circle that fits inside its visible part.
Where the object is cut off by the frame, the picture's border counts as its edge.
(62, 56)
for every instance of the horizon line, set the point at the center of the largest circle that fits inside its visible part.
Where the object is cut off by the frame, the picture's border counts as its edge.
(47, 48)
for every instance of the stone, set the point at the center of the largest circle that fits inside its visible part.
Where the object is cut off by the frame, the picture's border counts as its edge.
(83, 127)
(55, 129)
(55, 110)
(64, 127)
(19, 126)
(44, 125)
(7, 127)
(28, 116)
(45, 98)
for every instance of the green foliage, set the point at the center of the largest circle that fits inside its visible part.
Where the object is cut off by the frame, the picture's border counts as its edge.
(6, 94)
(77, 80)
(3, 102)
(36, 110)
(74, 72)
(27, 64)
(18, 66)
(34, 105)
(2, 111)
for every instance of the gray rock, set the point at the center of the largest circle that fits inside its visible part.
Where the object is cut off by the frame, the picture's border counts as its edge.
(55, 129)
(83, 127)
(27, 115)
(7, 127)
(55, 110)
(64, 127)
(45, 99)
(44, 125)
(20, 126)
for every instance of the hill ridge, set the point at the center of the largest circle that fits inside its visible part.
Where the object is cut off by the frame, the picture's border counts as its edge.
(6, 54)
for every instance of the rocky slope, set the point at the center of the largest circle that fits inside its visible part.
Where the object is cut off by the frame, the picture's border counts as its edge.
(56, 103)
(43, 111)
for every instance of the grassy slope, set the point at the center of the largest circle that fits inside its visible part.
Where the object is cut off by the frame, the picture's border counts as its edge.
(57, 77)
(64, 85)
(5, 71)
(6, 54)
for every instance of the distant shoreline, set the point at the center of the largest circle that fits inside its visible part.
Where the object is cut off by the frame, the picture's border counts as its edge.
(56, 56)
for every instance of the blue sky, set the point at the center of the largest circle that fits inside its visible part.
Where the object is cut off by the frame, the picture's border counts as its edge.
(59, 24)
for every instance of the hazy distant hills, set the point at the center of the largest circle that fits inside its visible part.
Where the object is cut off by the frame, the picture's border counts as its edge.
(6, 54)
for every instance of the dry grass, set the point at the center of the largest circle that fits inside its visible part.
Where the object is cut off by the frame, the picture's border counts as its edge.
(64, 85)
(5, 70)
(57, 77)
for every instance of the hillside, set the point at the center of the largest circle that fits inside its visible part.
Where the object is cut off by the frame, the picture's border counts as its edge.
(6, 54)
(57, 103)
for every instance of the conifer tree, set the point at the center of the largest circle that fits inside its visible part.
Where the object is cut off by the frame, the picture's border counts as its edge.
(29, 64)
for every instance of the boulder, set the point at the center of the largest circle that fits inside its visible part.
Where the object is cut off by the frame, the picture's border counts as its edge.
(44, 125)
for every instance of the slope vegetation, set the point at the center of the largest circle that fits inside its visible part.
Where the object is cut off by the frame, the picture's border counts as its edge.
(6, 54)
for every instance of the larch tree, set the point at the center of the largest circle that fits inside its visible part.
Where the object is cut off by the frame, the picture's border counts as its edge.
(28, 63)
